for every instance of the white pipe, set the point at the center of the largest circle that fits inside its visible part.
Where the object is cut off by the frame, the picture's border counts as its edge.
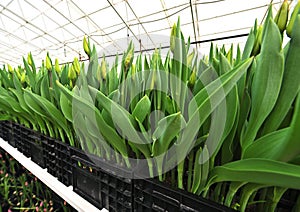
(66, 193)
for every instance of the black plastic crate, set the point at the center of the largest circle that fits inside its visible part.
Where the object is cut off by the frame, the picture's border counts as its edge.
(58, 159)
(36, 149)
(102, 183)
(30, 143)
(21, 136)
(7, 132)
(1, 131)
(49, 154)
(63, 162)
(152, 195)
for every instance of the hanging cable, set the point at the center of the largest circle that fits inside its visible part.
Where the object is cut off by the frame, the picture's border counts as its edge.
(112, 6)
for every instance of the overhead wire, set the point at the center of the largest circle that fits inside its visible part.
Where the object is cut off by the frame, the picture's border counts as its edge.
(176, 12)
(198, 28)
(92, 34)
(123, 20)
(137, 18)
(151, 14)
(93, 22)
(123, 27)
(193, 21)
(220, 16)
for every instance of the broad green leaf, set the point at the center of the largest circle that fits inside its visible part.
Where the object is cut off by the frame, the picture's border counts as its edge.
(64, 75)
(107, 118)
(66, 107)
(284, 142)
(290, 84)
(33, 105)
(261, 147)
(123, 120)
(142, 109)
(45, 87)
(7, 82)
(221, 124)
(207, 76)
(256, 170)
(291, 143)
(91, 112)
(266, 82)
(90, 130)
(49, 110)
(219, 89)
(167, 129)
(17, 82)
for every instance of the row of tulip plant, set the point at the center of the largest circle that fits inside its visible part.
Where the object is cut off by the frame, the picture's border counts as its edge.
(224, 126)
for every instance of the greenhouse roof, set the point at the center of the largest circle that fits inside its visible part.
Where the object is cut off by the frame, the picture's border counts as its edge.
(58, 26)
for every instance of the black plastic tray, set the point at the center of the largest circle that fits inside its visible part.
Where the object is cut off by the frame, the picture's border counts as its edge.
(30, 143)
(152, 195)
(1, 129)
(63, 162)
(58, 159)
(21, 137)
(102, 183)
(7, 132)
(36, 151)
(49, 156)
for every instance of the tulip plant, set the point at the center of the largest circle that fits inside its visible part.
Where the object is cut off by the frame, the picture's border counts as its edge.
(222, 126)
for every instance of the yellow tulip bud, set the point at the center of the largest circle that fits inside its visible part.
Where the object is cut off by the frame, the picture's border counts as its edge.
(192, 79)
(281, 17)
(10, 69)
(23, 77)
(293, 17)
(86, 46)
(258, 41)
(48, 63)
(128, 59)
(173, 38)
(71, 73)
(98, 73)
(190, 58)
(18, 72)
(57, 68)
(76, 65)
(103, 68)
(29, 59)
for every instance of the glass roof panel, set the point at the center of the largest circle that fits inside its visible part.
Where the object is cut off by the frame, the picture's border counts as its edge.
(90, 6)
(58, 26)
(9, 24)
